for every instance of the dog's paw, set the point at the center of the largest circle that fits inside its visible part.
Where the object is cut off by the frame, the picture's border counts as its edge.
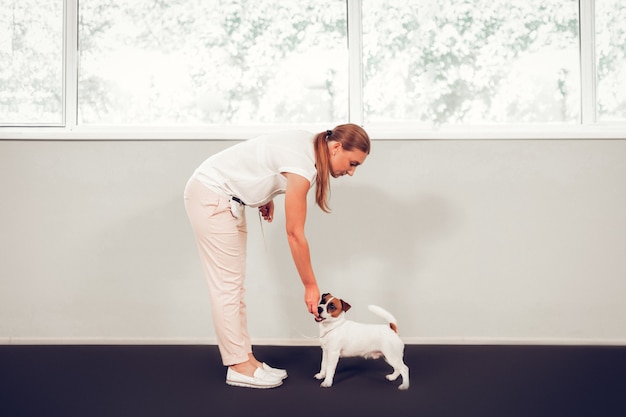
(320, 376)
(392, 377)
(404, 386)
(326, 384)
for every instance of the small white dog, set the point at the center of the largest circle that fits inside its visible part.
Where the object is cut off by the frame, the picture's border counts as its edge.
(341, 338)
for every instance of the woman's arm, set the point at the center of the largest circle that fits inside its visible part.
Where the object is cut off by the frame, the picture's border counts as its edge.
(295, 216)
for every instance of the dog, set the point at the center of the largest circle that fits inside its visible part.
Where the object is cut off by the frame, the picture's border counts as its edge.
(341, 338)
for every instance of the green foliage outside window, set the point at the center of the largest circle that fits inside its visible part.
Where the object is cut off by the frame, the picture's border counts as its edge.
(212, 62)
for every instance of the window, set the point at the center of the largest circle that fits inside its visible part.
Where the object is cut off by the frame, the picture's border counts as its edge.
(202, 64)
(611, 59)
(478, 62)
(31, 62)
(211, 62)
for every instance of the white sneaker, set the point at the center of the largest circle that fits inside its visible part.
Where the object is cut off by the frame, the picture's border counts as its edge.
(261, 379)
(280, 373)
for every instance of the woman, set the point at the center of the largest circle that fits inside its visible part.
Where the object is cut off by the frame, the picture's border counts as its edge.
(252, 173)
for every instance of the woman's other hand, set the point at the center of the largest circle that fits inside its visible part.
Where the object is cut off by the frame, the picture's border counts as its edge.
(267, 211)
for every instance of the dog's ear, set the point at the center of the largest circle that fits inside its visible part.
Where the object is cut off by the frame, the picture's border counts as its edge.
(345, 306)
(322, 301)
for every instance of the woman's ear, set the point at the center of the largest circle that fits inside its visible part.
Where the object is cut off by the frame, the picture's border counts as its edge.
(334, 146)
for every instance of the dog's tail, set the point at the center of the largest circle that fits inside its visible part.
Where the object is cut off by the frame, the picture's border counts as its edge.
(381, 312)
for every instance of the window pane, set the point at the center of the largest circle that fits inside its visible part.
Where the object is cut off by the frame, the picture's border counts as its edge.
(212, 61)
(480, 61)
(611, 59)
(31, 62)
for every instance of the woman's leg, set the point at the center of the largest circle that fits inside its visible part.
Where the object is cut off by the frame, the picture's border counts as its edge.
(221, 240)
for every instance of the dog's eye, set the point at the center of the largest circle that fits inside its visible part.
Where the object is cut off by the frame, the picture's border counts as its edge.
(331, 307)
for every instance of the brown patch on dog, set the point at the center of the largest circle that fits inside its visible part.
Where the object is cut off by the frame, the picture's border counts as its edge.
(393, 327)
(325, 298)
(334, 307)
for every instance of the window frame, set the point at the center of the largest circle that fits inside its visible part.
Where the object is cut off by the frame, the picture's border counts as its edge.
(587, 127)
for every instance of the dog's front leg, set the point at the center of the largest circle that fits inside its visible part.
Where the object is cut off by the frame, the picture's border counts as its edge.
(322, 372)
(332, 358)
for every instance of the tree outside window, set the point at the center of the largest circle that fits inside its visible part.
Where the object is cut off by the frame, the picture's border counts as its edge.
(238, 62)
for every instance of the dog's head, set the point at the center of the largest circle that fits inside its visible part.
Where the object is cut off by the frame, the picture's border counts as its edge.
(331, 308)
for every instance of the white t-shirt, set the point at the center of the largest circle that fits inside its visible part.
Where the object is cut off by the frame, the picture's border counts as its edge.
(251, 170)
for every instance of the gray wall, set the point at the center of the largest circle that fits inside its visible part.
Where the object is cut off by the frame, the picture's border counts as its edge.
(464, 241)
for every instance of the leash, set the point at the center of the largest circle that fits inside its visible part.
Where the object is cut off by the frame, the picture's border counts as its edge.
(267, 252)
(305, 336)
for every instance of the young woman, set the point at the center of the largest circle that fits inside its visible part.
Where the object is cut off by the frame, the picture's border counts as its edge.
(252, 173)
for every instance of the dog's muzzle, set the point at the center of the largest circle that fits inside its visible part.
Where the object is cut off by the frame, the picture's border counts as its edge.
(319, 317)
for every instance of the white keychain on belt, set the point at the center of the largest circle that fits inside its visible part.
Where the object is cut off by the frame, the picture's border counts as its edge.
(236, 208)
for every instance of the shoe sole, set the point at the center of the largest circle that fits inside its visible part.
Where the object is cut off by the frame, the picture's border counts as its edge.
(248, 385)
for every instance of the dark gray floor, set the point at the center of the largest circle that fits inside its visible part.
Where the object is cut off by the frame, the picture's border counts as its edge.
(188, 381)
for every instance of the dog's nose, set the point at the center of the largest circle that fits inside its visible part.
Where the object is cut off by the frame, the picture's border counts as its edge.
(319, 310)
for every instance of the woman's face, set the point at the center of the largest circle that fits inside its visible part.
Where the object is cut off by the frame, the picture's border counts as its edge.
(344, 162)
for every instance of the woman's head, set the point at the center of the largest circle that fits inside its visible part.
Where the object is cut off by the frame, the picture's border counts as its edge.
(338, 152)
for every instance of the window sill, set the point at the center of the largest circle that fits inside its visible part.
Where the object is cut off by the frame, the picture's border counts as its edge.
(376, 132)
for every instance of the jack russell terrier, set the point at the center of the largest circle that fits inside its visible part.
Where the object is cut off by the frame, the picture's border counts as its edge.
(341, 338)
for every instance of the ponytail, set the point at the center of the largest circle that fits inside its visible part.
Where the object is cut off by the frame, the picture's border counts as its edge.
(322, 164)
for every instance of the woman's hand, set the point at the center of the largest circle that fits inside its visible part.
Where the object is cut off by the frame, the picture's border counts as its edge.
(311, 299)
(267, 211)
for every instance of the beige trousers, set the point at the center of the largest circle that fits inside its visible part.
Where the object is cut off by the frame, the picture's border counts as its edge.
(221, 240)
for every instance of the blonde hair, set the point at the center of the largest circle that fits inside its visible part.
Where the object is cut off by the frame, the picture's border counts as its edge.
(350, 136)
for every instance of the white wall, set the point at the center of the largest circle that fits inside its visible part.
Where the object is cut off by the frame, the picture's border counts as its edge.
(464, 241)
